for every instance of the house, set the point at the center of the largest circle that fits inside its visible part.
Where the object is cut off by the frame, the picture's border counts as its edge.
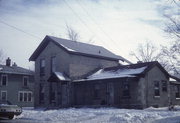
(70, 73)
(138, 85)
(71, 59)
(174, 90)
(16, 84)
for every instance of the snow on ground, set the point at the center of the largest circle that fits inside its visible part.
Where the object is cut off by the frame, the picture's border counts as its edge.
(102, 115)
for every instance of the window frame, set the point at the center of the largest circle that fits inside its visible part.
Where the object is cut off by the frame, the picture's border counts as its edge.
(126, 91)
(26, 77)
(164, 87)
(177, 92)
(156, 90)
(4, 75)
(23, 96)
(2, 94)
(42, 67)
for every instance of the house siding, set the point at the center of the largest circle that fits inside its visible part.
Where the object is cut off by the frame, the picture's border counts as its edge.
(15, 84)
(74, 66)
(155, 74)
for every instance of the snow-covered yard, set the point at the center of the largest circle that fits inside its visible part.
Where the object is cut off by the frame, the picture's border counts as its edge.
(102, 115)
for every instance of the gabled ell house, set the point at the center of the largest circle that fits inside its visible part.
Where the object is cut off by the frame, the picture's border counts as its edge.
(16, 84)
(70, 73)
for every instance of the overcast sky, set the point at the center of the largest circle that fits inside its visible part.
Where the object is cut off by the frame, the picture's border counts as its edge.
(118, 25)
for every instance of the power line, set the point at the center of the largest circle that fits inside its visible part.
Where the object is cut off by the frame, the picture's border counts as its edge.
(81, 20)
(95, 22)
(18, 29)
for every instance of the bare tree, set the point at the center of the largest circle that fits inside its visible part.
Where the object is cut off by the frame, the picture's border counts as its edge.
(171, 53)
(72, 34)
(145, 52)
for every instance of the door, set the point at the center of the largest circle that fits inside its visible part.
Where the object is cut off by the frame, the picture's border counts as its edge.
(110, 95)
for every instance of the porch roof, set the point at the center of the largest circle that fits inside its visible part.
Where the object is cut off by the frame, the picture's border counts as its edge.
(57, 77)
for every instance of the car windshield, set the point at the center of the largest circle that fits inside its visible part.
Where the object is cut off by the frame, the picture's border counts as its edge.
(4, 102)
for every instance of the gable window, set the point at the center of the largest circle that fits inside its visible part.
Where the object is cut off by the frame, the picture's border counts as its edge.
(4, 80)
(177, 91)
(126, 90)
(53, 64)
(3, 95)
(164, 86)
(42, 67)
(156, 89)
(25, 81)
(25, 96)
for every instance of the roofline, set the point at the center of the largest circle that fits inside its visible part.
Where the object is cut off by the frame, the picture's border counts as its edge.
(33, 58)
(16, 73)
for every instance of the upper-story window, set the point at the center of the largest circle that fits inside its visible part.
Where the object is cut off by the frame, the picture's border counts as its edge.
(25, 81)
(53, 64)
(42, 67)
(164, 85)
(156, 89)
(4, 80)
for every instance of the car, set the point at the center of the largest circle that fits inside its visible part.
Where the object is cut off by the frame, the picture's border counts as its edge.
(7, 110)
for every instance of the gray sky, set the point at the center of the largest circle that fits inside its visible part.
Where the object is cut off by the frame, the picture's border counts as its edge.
(118, 25)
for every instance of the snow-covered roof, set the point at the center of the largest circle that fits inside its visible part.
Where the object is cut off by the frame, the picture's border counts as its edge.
(120, 73)
(77, 48)
(15, 70)
(61, 76)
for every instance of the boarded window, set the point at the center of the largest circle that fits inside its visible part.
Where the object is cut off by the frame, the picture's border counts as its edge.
(42, 67)
(126, 90)
(156, 88)
(4, 80)
(164, 86)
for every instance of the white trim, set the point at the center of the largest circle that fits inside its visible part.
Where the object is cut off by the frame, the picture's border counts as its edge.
(178, 98)
(2, 79)
(27, 81)
(1, 94)
(157, 96)
(23, 92)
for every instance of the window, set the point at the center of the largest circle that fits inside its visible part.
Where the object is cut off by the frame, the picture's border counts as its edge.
(177, 92)
(25, 81)
(42, 67)
(96, 91)
(53, 64)
(41, 93)
(4, 80)
(164, 85)
(126, 90)
(156, 89)
(25, 96)
(3, 95)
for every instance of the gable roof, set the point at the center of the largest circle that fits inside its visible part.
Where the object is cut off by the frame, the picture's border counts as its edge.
(78, 48)
(15, 70)
(122, 71)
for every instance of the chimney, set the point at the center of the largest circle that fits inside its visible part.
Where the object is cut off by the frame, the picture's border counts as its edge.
(14, 65)
(8, 62)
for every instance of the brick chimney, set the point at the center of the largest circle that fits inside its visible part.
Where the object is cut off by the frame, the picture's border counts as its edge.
(8, 62)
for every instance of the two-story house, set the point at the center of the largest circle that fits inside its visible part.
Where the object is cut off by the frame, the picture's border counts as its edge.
(16, 84)
(70, 59)
(70, 73)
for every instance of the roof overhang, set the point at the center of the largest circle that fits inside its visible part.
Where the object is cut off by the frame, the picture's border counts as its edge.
(58, 77)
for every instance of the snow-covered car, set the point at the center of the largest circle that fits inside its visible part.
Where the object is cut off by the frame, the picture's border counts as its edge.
(8, 110)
